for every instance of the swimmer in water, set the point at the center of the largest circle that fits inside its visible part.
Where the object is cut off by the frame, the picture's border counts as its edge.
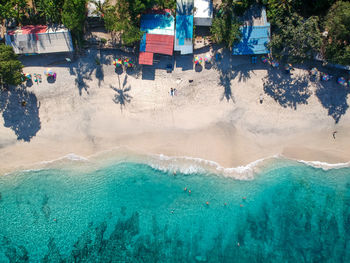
(185, 189)
(225, 204)
(241, 205)
(189, 192)
(207, 203)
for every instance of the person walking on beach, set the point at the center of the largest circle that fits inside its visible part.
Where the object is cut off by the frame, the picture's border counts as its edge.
(334, 133)
(171, 92)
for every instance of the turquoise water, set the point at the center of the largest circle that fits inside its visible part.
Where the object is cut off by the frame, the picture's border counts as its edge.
(129, 212)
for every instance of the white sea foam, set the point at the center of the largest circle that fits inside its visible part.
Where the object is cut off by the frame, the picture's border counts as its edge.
(70, 156)
(324, 165)
(191, 165)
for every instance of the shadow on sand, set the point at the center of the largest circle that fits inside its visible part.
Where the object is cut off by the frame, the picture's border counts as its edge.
(333, 97)
(122, 97)
(288, 91)
(20, 110)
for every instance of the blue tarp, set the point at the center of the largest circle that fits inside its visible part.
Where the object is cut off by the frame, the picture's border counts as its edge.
(158, 24)
(184, 28)
(254, 41)
(143, 43)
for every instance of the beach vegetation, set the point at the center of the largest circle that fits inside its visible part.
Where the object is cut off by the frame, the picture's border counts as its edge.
(101, 7)
(10, 67)
(225, 28)
(73, 17)
(337, 26)
(296, 38)
(50, 10)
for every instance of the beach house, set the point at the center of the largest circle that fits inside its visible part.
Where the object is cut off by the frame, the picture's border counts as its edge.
(159, 34)
(255, 33)
(184, 27)
(39, 39)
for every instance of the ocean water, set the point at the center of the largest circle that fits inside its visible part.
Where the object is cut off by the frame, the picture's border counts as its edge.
(132, 212)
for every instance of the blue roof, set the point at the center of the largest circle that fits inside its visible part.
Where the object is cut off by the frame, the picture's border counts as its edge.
(184, 28)
(254, 40)
(159, 24)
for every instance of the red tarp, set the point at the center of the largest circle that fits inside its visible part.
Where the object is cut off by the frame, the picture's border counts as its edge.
(29, 30)
(161, 44)
(146, 58)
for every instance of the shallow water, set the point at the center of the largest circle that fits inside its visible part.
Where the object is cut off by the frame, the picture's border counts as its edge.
(130, 212)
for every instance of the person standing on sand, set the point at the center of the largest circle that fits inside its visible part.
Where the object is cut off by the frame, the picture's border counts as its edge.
(334, 133)
(171, 92)
(261, 98)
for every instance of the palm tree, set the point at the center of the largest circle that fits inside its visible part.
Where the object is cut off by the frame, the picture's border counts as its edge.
(101, 7)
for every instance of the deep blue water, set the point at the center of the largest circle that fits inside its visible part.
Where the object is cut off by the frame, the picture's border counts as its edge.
(129, 212)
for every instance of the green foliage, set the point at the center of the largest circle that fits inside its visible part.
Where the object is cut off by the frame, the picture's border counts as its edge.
(10, 67)
(101, 7)
(296, 39)
(73, 17)
(50, 10)
(225, 30)
(225, 27)
(337, 24)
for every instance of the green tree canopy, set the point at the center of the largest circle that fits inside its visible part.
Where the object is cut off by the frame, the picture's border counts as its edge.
(73, 17)
(10, 67)
(225, 26)
(337, 24)
(50, 10)
(295, 38)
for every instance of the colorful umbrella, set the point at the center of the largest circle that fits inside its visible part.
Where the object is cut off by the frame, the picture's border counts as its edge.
(27, 76)
(49, 72)
(341, 81)
(207, 58)
(128, 63)
(264, 59)
(118, 62)
(314, 71)
(325, 77)
(198, 60)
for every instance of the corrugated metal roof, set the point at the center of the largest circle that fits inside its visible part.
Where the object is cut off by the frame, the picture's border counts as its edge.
(161, 44)
(254, 40)
(146, 58)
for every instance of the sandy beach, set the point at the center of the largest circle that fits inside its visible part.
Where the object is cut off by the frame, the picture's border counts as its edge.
(215, 115)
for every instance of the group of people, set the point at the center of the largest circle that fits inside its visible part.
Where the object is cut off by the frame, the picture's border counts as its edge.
(173, 92)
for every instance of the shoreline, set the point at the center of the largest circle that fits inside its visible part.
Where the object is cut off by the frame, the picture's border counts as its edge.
(214, 117)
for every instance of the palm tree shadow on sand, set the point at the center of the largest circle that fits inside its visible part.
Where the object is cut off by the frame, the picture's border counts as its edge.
(287, 91)
(122, 97)
(333, 97)
(20, 110)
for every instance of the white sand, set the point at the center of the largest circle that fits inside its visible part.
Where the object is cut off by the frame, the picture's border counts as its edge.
(198, 122)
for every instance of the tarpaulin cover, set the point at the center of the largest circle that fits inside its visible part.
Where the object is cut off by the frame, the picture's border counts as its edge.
(30, 30)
